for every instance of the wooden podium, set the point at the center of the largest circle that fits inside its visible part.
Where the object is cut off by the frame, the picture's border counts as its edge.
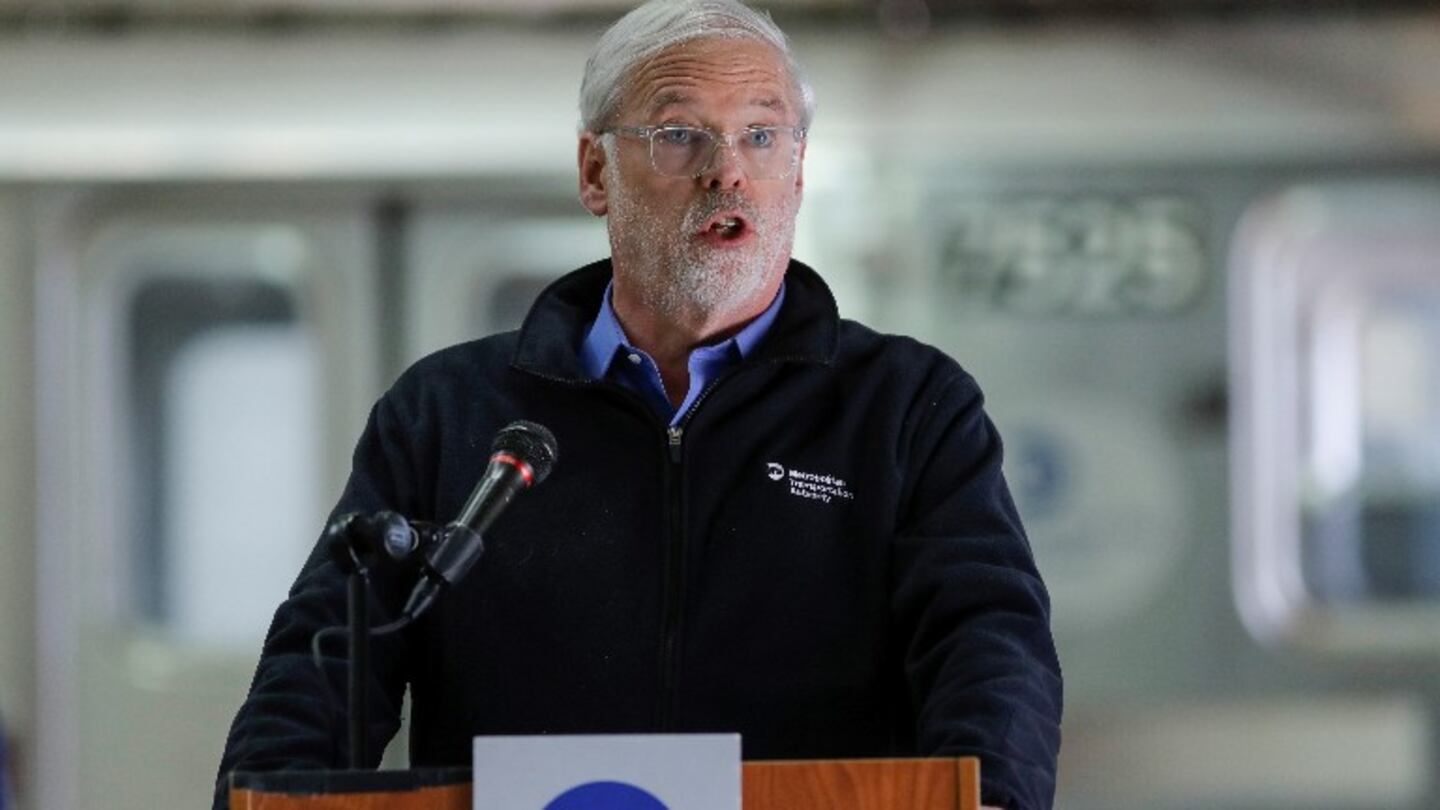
(843, 784)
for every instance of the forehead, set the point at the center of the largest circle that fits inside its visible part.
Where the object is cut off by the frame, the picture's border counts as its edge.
(703, 72)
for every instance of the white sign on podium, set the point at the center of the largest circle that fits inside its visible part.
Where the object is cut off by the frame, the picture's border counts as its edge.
(608, 772)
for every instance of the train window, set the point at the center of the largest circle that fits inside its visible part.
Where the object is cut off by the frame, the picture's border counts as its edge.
(1371, 514)
(476, 272)
(211, 356)
(1337, 377)
(505, 305)
(226, 462)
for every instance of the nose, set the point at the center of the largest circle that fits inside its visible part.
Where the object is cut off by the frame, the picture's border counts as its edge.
(725, 170)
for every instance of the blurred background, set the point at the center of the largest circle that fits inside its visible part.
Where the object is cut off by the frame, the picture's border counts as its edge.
(1190, 249)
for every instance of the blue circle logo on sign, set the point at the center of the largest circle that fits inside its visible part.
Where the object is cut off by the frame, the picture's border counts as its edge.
(605, 796)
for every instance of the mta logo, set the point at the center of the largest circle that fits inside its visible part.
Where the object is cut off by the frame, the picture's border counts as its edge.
(605, 796)
(775, 471)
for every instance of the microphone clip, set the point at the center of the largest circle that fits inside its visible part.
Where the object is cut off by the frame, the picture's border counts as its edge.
(356, 542)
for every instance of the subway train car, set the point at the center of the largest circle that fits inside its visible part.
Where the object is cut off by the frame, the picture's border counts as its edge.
(1192, 257)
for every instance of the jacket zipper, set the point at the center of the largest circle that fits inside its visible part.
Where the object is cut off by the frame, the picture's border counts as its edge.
(674, 588)
(675, 571)
(674, 583)
(676, 433)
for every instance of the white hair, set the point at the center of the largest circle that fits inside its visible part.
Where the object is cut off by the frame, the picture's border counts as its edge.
(659, 24)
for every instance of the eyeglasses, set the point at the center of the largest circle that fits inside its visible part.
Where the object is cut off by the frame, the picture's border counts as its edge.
(766, 153)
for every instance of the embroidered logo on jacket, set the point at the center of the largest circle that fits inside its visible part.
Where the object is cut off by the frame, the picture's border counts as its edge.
(817, 487)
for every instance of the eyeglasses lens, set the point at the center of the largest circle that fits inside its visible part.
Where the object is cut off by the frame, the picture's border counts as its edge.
(764, 153)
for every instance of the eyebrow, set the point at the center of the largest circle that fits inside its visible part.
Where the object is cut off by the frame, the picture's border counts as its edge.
(679, 98)
(668, 98)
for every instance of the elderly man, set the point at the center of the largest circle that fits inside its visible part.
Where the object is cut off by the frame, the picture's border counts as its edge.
(767, 519)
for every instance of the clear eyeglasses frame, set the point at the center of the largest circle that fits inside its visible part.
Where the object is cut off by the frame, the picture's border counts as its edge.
(677, 150)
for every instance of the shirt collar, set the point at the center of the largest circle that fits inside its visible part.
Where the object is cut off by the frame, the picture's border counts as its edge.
(606, 338)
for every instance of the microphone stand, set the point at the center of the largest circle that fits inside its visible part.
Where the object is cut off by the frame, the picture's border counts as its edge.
(358, 608)
(522, 454)
(355, 543)
(352, 548)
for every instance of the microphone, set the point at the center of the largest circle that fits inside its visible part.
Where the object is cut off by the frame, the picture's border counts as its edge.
(521, 456)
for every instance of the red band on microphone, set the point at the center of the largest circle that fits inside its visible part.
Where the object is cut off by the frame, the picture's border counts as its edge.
(519, 464)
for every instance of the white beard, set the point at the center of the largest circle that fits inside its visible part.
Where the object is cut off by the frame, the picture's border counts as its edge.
(680, 278)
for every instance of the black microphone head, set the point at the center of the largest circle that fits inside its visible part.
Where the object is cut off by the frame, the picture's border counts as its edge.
(531, 443)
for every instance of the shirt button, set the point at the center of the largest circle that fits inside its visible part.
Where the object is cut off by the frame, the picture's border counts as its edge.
(634, 358)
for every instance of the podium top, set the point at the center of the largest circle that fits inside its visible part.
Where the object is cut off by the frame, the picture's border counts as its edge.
(854, 784)
(332, 782)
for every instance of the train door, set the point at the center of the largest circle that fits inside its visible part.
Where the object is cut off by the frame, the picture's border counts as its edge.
(205, 362)
(17, 674)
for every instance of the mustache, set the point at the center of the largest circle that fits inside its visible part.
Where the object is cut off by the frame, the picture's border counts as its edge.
(713, 203)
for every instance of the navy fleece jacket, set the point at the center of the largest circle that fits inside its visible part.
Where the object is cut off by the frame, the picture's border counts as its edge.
(823, 556)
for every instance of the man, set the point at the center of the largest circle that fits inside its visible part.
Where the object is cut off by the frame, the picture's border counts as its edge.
(765, 520)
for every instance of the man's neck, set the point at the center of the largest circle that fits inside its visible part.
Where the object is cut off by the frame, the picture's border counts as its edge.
(669, 338)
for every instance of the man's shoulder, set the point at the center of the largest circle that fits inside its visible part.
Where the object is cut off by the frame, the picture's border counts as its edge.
(858, 336)
(462, 364)
(898, 356)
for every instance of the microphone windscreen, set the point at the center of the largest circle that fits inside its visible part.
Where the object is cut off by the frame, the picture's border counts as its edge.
(532, 443)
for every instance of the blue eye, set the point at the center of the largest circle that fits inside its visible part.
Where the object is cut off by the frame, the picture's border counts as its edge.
(678, 136)
(760, 138)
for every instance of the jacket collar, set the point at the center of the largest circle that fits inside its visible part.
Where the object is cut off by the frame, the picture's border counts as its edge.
(806, 330)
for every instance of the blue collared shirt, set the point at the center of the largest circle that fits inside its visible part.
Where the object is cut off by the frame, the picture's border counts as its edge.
(608, 354)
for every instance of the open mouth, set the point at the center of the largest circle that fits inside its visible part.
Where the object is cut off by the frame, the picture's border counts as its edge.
(727, 228)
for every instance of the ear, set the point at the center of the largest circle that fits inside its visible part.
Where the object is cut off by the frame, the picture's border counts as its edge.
(800, 170)
(593, 194)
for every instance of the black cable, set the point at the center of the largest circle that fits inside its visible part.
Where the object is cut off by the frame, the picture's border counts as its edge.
(318, 639)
